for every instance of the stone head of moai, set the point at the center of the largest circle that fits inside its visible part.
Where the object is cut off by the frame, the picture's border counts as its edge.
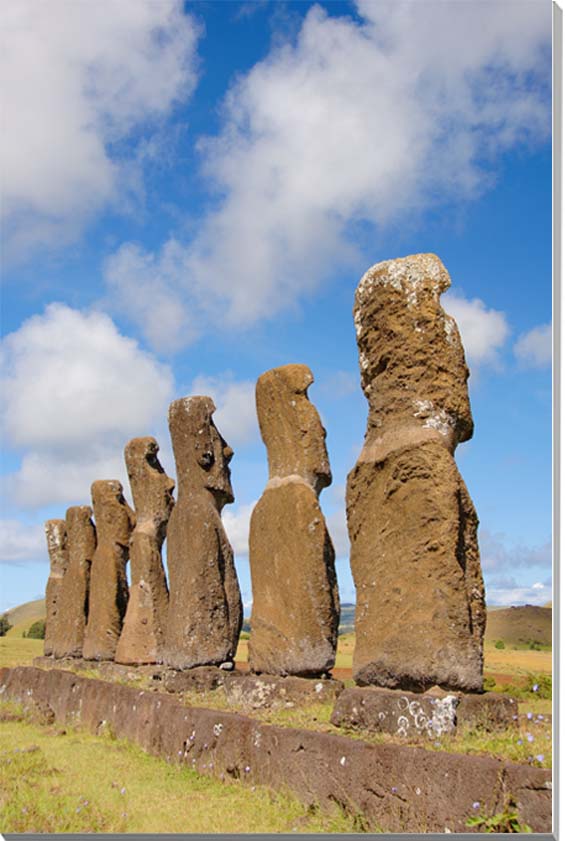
(291, 428)
(413, 369)
(202, 456)
(56, 536)
(113, 516)
(151, 488)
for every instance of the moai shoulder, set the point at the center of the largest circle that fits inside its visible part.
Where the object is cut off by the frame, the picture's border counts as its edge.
(56, 536)
(72, 607)
(108, 582)
(205, 609)
(420, 612)
(142, 636)
(295, 598)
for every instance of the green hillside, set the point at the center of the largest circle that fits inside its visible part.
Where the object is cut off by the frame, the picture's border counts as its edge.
(23, 616)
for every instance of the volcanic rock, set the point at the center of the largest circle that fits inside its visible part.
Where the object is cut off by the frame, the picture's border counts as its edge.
(73, 601)
(108, 583)
(144, 624)
(420, 613)
(409, 715)
(56, 535)
(295, 612)
(205, 610)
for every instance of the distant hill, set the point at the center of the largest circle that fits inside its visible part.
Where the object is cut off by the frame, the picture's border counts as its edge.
(514, 625)
(23, 616)
(519, 625)
(347, 618)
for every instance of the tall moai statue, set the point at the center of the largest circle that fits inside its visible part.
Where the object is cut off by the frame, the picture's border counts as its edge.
(205, 610)
(143, 631)
(108, 582)
(73, 601)
(420, 614)
(56, 535)
(295, 613)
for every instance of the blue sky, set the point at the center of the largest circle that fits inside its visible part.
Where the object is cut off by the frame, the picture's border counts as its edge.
(191, 195)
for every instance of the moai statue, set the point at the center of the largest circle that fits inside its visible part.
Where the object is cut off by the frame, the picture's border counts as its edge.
(295, 613)
(56, 535)
(205, 610)
(72, 604)
(108, 583)
(420, 614)
(146, 615)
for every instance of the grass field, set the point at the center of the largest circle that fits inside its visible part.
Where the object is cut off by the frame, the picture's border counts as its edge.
(64, 780)
(68, 781)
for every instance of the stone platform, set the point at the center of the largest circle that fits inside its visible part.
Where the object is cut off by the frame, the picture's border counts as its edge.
(397, 788)
(430, 714)
(243, 690)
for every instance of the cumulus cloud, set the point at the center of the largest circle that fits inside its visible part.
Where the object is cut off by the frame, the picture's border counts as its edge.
(20, 542)
(75, 391)
(235, 414)
(357, 122)
(506, 592)
(483, 331)
(78, 79)
(236, 524)
(497, 555)
(534, 348)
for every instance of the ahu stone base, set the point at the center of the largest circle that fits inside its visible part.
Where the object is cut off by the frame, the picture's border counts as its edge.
(431, 714)
(243, 690)
(397, 788)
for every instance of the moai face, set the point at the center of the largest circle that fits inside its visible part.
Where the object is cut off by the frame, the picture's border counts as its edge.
(151, 488)
(114, 518)
(291, 427)
(201, 454)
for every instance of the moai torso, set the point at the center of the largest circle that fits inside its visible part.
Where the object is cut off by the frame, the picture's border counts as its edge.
(56, 535)
(205, 611)
(72, 604)
(295, 612)
(108, 582)
(420, 613)
(142, 635)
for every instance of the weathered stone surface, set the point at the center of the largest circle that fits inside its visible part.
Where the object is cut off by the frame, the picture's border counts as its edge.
(420, 613)
(73, 602)
(143, 631)
(56, 535)
(205, 610)
(108, 583)
(409, 714)
(251, 692)
(295, 611)
(199, 679)
(398, 788)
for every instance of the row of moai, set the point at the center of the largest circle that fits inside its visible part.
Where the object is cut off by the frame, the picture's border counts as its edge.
(420, 610)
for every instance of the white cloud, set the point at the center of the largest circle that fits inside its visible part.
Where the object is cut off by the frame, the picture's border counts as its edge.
(354, 123)
(20, 542)
(143, 287)
(75, 391)
(77, 79)
(533, 349)
(506, 593)
(483, 331)
(235, 415)
(497, 556)
(236, 524)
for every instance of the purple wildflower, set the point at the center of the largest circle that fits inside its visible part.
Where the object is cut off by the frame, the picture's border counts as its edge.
(529, 737)
(540, 757)
(476, 804)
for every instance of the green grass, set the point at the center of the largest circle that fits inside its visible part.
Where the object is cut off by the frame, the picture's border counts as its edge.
(68, 781)
(15, 651)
